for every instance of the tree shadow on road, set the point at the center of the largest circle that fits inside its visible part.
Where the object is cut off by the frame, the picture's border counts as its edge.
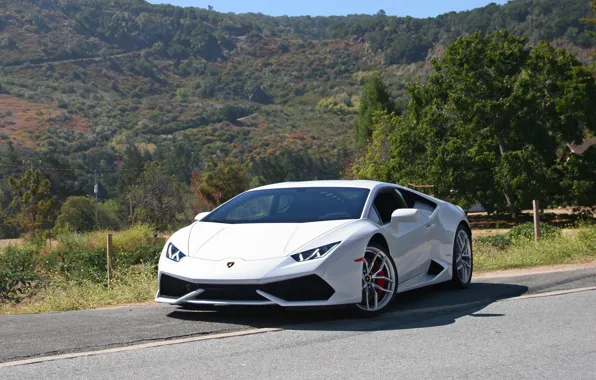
(428, 307)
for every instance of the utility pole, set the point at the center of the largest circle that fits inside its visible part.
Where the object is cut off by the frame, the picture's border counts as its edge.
(96, 191)
(130, 203)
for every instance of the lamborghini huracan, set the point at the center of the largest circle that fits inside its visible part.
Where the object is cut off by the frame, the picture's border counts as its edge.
(317, 243)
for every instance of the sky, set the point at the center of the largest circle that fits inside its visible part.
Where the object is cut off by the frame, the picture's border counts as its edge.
(414, 8)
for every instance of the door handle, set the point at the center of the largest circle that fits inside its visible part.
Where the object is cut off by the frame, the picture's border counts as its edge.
(429, 226)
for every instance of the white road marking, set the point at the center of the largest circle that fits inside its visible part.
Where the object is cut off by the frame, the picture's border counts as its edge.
(436, 309)
(551, 294)
(138, 346)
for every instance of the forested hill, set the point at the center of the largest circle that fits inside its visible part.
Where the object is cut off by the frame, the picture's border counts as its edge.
(82, 81)
(50, 30)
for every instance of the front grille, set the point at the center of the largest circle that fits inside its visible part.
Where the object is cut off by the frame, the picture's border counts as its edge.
(307, 288)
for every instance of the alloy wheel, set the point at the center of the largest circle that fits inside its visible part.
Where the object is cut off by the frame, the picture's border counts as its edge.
(378, 280)
(463, 256)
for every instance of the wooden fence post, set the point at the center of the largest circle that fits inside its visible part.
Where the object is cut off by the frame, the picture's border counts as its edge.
(536, 220)
(109, 259)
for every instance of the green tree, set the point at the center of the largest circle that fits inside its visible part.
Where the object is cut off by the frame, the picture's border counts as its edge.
(158, 197)
(592, 20)
(33, 199)
(182, 94)
(76, 214)
(374, 98)
(129, 172)
(490, 123)
(579, 179)
(109, 214)
(220, 182)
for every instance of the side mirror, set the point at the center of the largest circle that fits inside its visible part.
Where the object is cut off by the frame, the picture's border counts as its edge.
(201, 215)
(404, 215)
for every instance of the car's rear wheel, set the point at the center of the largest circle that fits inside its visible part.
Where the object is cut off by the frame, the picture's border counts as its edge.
(463, 260)
(379, 280)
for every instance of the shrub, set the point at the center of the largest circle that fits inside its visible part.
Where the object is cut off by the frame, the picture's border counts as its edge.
(108, 214)
(587, 236)
(17, 271)
(76, 214)
(124, 241)
(525, 231)
(499, 242)
(78, 265)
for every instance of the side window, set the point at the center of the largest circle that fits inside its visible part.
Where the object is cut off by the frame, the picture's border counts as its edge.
(386, 202)
(374, 216)
(416, 201)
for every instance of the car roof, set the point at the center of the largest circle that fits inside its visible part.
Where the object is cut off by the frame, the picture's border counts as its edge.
(363, 184)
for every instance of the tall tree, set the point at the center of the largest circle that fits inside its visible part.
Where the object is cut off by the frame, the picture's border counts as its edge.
(220, 182)
(490, 123)
(76, 214)
(374, 98)
(158, 198)
(129, 172)
(33, 199)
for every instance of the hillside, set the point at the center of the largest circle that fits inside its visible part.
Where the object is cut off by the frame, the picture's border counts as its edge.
(82, 80)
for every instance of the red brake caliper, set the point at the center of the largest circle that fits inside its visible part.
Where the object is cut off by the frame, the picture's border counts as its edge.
(379, 281)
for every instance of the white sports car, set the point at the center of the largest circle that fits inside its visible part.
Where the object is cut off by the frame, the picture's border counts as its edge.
(317, 243)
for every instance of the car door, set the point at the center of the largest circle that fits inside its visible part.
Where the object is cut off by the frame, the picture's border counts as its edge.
(408, 244)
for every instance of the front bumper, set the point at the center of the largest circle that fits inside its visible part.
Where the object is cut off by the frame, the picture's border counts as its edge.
(333, 280)
(305, 290)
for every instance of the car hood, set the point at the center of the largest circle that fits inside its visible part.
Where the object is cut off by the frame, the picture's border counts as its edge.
(217, 241)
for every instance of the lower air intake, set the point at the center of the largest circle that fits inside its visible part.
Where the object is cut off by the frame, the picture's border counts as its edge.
(172, 287)
(308, 288)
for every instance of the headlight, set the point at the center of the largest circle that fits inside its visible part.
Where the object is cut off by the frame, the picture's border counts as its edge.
(174, 253)
(312, 254)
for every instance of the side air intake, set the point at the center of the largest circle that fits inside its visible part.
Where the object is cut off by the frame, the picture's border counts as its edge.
(435, 268)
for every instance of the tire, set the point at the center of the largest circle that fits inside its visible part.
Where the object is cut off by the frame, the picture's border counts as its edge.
(379, 281)
(463, 258)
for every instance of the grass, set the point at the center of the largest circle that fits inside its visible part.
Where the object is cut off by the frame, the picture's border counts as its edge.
(134, 286)
(569, 247)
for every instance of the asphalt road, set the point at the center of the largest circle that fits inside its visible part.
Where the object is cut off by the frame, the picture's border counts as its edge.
(480, 338)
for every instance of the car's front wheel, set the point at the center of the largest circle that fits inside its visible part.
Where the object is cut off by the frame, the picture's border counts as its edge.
(379, 280)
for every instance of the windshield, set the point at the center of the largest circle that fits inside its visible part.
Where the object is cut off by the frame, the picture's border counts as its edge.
(293, 205)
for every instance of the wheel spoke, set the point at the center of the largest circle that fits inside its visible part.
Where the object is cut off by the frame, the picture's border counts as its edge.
(460, 243)
(382, 289)
(372, 263)
(383, 278)
(367, 304)
(376, 299)
(381, 267)
(366, 265)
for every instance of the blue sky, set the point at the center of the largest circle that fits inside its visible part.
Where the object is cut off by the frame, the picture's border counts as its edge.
(414, 8)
